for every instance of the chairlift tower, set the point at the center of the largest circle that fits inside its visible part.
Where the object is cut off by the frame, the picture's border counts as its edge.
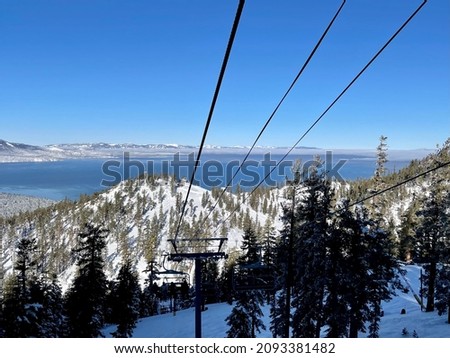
(198, 250)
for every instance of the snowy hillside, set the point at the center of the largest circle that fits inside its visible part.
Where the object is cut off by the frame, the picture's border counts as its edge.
(181, 325)
(141, 216)
(12, 204)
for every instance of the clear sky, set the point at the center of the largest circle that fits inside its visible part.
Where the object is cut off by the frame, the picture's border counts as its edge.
(144, 71)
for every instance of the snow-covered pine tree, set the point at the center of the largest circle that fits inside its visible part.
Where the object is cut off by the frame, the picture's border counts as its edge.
(52, 321)
(443, 290)
(339, 278)
(210, 284)
(432, 237)
(85, 298)
(380, 170)
(126, 304)
(245, 318)
(149, 296)
(23, 300)
(240, 325)
(407, 235)
(269, 253)
(383, 269)
(279, 316)
(443, 270)
(311, 236)
(352, 281)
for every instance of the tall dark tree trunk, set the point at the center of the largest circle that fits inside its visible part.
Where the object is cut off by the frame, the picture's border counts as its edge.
(431, 287)
(353, 329)
(448, 311)
(319, 322)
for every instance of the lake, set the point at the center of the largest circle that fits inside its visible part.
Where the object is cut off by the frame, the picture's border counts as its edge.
(71, 178)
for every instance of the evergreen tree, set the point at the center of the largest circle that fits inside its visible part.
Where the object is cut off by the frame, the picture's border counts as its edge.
(349, 230)
(407, 235)
(443, 269)
(277, 314)
(126, 301)
(240, 325)
(280, 319)
(311, 236)
(380, 170)
(443, 290)
(432, 238)
(210, 277)
(52, 320)
(85, 299)
(362, 274)
(23, 302)
(382, 267)
(151, 292)
(245, 318)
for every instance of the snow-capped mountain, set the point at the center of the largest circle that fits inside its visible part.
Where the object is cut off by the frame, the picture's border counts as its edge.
(18, 152)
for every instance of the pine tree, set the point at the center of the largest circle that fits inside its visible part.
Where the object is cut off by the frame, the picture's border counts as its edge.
(280, 318)
(311, 236)
(126, 301)
(269, 252)
(383, 268)
(443, 270)
(149, 296)
(240, 325)
(349, 231)
(335, 308)
(210, 277)
(53, 310)
(277, 314)
(380, 170)
(407, 235)
(443, 290)
(245, 318)
(23, 302)
(432, 238)
(85, 299)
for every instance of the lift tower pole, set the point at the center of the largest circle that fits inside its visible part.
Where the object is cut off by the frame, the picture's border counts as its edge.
(204, 251)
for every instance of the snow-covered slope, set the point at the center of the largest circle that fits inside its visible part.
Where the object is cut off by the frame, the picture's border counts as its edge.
(141, 216)
(393, 323)
(12, 204)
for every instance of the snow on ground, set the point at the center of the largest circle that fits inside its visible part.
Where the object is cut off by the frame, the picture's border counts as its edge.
(181, 325)
(426, 324)
(12, 204)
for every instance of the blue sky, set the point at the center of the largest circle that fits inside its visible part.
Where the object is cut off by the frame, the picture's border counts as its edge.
(145, 71)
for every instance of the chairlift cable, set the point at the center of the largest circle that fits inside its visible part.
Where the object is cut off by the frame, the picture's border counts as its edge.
(211, 111)
(311, 55)
(352, 82)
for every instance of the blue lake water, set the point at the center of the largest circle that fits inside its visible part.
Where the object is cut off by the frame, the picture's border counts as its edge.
(71, 178)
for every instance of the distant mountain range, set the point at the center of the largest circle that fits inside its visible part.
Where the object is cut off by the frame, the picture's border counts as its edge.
(11, 152)
(19, 152)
